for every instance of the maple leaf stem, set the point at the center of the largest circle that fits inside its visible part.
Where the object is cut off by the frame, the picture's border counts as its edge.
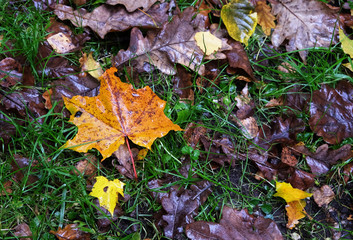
(132, 159)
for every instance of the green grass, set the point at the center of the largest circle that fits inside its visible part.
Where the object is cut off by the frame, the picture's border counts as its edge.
(60, 197)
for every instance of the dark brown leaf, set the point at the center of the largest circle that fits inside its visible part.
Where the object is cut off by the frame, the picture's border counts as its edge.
(321, 161)
(331, 112)
(104, 222)
(7, 129)
(288, 158)
(234, 225)
(20, 166)
(183, 85)
(174, 43)
(10, 72)
(348, 172)
(133, 5)
(71, 232)
(23, 232)
(296, 101)
(106, 18)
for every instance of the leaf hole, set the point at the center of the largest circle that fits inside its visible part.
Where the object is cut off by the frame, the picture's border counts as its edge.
(105, 189)
(78, 114)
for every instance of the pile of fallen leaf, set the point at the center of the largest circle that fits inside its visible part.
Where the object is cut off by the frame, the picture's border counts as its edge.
(110, 113)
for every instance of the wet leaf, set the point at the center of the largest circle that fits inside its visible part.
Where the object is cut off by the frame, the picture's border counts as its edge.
(240, 20)
(295, 212)
(23, 232)
(234, 225)
(88, 166)
(264, 17)
(107, 192)
(174, 43)
(133, 5)
(71, 232)
(331, 112)
(10, 72)
(324, 195)
(346, 43)
(288, 158)
(21, 166)
(119, 111)
(106, 18)
(348, 172)
(123, 155)
(208, 42)
(61, 43)
(316, 26)
(88, 64)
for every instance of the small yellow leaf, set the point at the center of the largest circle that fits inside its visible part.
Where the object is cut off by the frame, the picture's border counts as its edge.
(295, 212)
(240, 20)
(208, 42)
(142, 154)
(107, 192)
(288, 193)
(346, 43)
(61, 43)
(348, 65)
(264, 16)
(88, 64)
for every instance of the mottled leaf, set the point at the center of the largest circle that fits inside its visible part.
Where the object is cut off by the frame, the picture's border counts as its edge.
(323, 195)
(133, 5)
(88, 64)
(71, 232)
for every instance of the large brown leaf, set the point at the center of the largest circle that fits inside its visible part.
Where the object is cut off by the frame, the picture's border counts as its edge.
(106, 18)
(235, 225)
(133, 5)
(175, 43)
(331, 112)
(305, 24)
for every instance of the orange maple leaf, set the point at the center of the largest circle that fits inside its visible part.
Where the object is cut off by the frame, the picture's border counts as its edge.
(265, 18)
(119, 111)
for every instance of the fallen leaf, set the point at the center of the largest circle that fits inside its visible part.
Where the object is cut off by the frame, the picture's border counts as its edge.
(47, 97)
(142, 154)
(105, 219)
(133, 5)
(88, 64)
(174, 43)
(193, 132)
(240, 20)
(88, 166)
(23, 232)
(21, 166)
(208, 42)
(288, 158)
(305, 24)
(295, 212)
(264, 17)
(107, 192)
(324, 195)
(321, 161)
(236, 225)
(123, 155)
(6, 188)
(331, 112)
(61, 43)
(107, 18)
(118, 111)
(183, 84)
(10, 72)
(346, 43)
(71, 232)
(348, 172)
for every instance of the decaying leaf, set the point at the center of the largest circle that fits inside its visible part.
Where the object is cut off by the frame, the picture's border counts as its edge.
(61, 43)
(288, 158)
(21, 166)
(208, 42)
(106, 18)
(305, 24)
(6, 188)
(236, 225)
(331, 112)
(346, 43)
(119, 111)
(107, 192)
(71, 232)
(240, 20)
(174, 43)
(88, 166)
(23, 232)
(294, 198)
(123, 155)
(348, 172)
(324, 195)
(91, 66)
(264, 17)
(10, 72)
(133, 5)
(47, 97)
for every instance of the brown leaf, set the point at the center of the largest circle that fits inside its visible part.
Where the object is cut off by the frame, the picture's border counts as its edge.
(106, 18)
(288, 158)
(133, 5)
(348, 172)
(193, 132)
(174, 43)
(23, 232)
(88, 166)
(321, 161)
(6, 188)
(316, 26)
(324, 195)
(183, 85)
(331, 112)
(235, 225)
(7, 129)
(123, 155)
(20, 166)
(47, 97)
(105, 219)
(264, 17)
(10, 72)
(71, 232)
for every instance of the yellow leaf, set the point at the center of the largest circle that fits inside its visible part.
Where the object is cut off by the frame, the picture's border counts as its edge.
(240, 20)
(346, 43)
(142, 154)
(208, 42)
(288, 193)
(295, 212)
(264, 16)
(118, 112)
(348, 65)
(88, 64)
(107, 192)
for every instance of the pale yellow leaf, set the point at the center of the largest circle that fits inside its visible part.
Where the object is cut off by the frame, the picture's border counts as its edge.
(208, 42)
(346, 43)
(88, 64)
(61, 43)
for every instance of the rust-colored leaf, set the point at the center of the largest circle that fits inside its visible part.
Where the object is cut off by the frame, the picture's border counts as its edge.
(235, 225)
(71, 232)
(106, 18)
(295, 212)
(118, 111)
(331, 112)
